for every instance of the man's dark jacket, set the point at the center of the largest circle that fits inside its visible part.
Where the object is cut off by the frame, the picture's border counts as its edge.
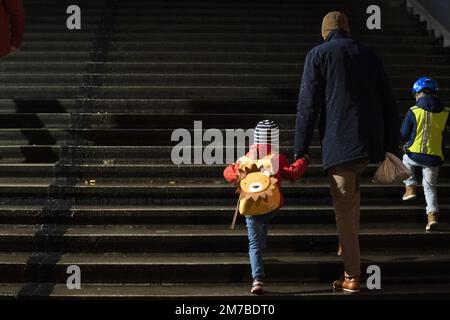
(345, 82)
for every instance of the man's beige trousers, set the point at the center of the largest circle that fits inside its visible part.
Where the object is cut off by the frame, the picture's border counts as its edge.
(344, 182)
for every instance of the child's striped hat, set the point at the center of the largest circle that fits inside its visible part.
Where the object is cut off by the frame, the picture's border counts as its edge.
(266, 132)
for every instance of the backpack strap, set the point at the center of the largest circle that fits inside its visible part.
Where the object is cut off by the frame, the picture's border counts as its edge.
(236, 212)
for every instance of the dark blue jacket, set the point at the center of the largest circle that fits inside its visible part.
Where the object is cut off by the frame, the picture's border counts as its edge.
(345, 82)
(408, 131)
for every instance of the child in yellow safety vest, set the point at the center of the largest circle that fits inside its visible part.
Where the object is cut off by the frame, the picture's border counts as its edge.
(425, 127)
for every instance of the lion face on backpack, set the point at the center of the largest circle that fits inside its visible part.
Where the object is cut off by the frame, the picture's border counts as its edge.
(259, 192)
(255, 182)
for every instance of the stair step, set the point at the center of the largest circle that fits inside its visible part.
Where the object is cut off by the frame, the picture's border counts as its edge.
(114, 154)
(251, 37)
(161, 106)
(133, 47)
(253, 27)
(214, 268)
(108, 172)
(48, 212)
(210, 56)
(174, 92)
(174, 79)
(147, 121)
(402, 69)
(224, 291)
(292, 238)
(217, 57)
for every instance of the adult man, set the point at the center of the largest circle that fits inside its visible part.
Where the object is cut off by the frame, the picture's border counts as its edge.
(12, 26)
(345, 82)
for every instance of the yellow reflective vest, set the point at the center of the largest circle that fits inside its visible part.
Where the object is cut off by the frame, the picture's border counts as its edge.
(430, 131)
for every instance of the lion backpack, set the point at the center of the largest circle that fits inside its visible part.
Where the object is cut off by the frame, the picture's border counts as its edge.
(258, 190)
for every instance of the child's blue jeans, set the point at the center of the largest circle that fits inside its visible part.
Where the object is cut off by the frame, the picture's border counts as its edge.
(429, 181)
(257, 227)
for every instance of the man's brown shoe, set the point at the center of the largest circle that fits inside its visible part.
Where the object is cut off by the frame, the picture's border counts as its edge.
(410, 193)
(347, 284)
(432, 221)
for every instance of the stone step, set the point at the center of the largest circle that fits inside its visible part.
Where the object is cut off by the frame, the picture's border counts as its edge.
(118, 154)
(29, 211)
(30, 154)
(128, 239)
(58, 36)
(208, 56)
(217, 57)
(118, 134)
(405, 22)
(254, 26)
(174, 79)
(43, 67)
(167, 92)
(225, 291)
(51, 46)
(109, 171)
(55, 56)
(234, 3)
(246, 7)
(154, 172)
(246, 36)
(149, 178)
(280, 68)
(131, 46)
(215, 268)
(192, 192)
(161, 106)
(147, 121)
(308, 15)
(125, 20)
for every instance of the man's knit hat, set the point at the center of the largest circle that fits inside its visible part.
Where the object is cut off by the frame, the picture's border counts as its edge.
(334, 20)
(266, 132)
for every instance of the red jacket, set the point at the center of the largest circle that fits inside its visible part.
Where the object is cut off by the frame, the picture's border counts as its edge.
(291, 172)
(12, 25)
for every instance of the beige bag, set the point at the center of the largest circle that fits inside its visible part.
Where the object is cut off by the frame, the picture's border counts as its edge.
(391, 171)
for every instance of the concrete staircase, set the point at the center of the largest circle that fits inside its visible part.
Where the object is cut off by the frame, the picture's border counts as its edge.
(101, 103)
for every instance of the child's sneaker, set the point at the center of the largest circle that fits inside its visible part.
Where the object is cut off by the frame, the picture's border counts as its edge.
(257, 287)
(410, 193)
(432, 221)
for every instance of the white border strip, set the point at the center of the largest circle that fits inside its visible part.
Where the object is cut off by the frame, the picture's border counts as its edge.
(432, 23)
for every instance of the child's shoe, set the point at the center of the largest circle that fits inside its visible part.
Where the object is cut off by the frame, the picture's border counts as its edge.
(257, 287)
(432, 221)
(410, 193)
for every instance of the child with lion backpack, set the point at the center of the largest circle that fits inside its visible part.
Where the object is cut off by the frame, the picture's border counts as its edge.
(258, 176)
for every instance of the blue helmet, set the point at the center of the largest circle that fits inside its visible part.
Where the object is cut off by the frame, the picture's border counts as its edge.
(425, 83)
